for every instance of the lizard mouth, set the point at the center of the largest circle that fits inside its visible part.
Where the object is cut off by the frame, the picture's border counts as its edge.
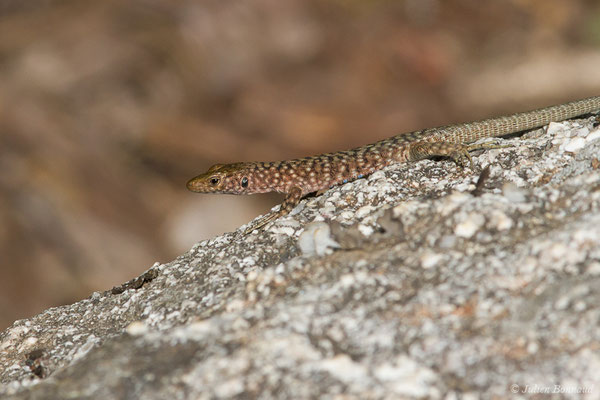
(192, 185)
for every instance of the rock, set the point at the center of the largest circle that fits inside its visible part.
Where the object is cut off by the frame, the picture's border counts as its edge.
(434, 293)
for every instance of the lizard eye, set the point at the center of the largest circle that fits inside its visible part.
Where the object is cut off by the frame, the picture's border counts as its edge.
(244, 182)
(214, 181)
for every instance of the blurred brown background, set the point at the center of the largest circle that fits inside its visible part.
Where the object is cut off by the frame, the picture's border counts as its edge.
(108, 107)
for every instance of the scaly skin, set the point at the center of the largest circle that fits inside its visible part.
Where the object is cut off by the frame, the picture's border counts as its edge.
(299, 177)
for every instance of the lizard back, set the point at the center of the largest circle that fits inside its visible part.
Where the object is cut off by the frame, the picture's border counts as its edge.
(319, 172)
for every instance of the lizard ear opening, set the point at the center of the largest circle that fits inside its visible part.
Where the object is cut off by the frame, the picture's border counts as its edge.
(245, 182)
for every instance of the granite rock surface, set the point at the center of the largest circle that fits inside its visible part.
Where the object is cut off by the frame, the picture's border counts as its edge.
(421, 281)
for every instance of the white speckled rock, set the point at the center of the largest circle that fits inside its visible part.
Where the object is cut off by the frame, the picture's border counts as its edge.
(316, 239)
(427, 291)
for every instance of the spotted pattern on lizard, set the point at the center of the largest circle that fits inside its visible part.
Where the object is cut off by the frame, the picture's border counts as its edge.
(299, 177)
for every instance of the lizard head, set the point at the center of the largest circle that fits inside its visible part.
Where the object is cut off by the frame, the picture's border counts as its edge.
(221, 178)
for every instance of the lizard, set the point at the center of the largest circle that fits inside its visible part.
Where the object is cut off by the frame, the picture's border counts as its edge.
(298, 177)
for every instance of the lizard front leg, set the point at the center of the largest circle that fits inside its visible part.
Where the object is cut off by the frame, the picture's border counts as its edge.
(291, 201)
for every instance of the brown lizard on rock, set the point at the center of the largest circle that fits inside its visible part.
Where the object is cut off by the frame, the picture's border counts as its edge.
(299, 177)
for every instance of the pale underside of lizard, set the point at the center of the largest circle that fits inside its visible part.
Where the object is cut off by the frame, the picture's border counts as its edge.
(299, 177)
